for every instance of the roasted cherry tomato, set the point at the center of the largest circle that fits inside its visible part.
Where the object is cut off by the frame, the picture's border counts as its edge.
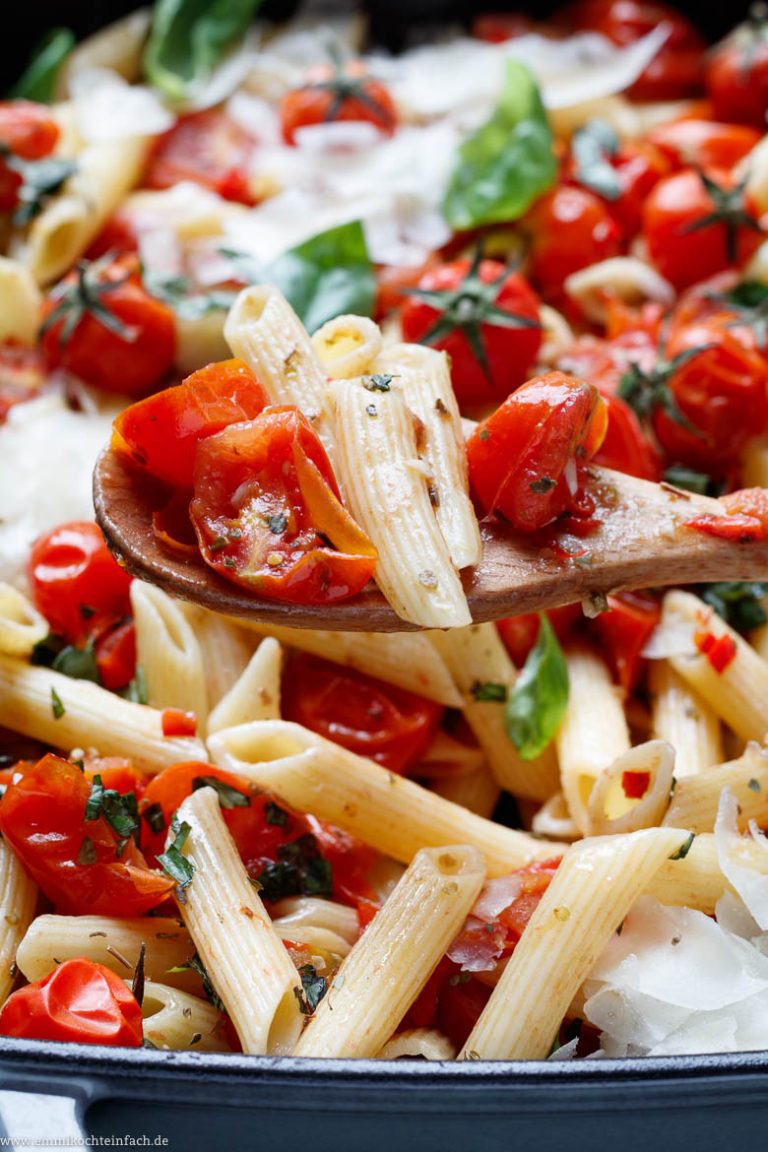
(387, 724)
(393, 282)
(82, 866)
(624, 630)
(676, 69)
(520, 633)
(76, 582)
(100, 324)
(485, 317)
(29, 132)
(626, 448)
(22, 375)
(115, 650)
(207, 148)
(118, 236)
(703, 143)
(161, 432)
(736, 73)
(177, 722)
(266, 501)
(570, 229)
(745, 518)
(695, 224)
(79, 1001)
(341, 92)
(523, 460)
(116, 772)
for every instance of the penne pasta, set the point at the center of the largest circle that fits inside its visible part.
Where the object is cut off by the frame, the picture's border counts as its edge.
(400, 949)
(423, 1043)
(684, 720)
(612, 808)
(256, 694)
(20, 302)
(696, 799)
(18, 898)
(226, 649)
(175, 1020)
(168, 652)
(347, 346)
(21, 625)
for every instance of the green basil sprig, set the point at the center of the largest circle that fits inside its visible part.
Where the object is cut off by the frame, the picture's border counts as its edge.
(38, 80)
(539, 698)
(188, 39)
(508, 162)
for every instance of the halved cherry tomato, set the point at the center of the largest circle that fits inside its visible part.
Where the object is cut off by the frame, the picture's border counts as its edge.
(265, 499)
(676, 69)
(341, 92)
(624, 630)
(520, 633)
(387, 724)
(28, 131)
(523, 460)
(82, 866)
(626, 448)
(697, 223)
(115, 650)
(79, 1001)
(207, 148)
(76, 582)
(737, 73)
(570, 228)
(22, 375)
(704, 143)
(485, 317)
(161, 433)
(100, 324)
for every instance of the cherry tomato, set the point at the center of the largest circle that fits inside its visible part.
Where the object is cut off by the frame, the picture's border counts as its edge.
(116, 772)
(343, 92)
(695, 224)
(736, 74)
(720, 395)
(76, 582)
(161, 432)
(28, 131)
(570, 229)
(122, 340)
(265, 499)
(624, 630)
(520, 633)
(487, 320)
(115, 650)
(79, 1001)
(387, 724)
(176, 722)
(675, 71)
(81, 865)
(703, 143)
(626, 448)
(118, 236)
(392, 282)
(22, 375)
(207, 148)
(523, 459)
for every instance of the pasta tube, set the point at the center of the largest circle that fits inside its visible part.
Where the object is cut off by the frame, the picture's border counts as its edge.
(18, 897)
(684, 720)
(347, 346)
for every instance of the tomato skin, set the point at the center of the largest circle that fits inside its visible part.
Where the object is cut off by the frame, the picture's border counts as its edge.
(161, 432)
(387, 724)
(42, 818)
(737, 78)
(76, 582)
(393, 281)
(131, 363)
(704, 143)
(176, 722)
(570, 229)
(520, 633)
(79, 1001)
(317, 103)
(22, 375)
(253, 486)
(510, 352)
(623, 632)
(518, 456)
(117, 236)
(682, 250)
(116, 656)
(27, 130)
(722, 392)
(207, 148)
(626, 448)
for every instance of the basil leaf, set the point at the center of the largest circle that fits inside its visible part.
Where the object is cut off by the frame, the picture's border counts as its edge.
(229, 797)
(739, 603)
(592, 147)
(300, 870)
(539, 699)
(38, 80)
(77, 663)
(172, 862)
(136, 691)
(329, 275)
(188, 38)
(690, 480)
(314, 986)
(507, 163)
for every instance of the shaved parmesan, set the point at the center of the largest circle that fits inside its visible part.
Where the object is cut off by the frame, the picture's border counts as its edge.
(743, 860)
(108, 108)
(497, 895)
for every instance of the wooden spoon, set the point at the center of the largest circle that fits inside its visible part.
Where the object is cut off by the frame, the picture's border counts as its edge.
(642, 543)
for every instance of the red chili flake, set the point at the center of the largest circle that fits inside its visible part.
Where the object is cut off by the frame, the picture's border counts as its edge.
(739, 527)
(176, 722)
(635, 784)
(719, 650)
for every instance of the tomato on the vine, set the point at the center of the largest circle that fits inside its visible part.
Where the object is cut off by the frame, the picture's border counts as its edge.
(524, 459)
(207, 148)
(339, 92)
(570, 229)
(703, 143)
(485, 317)
(79, 1001)
(621, 173)
(102, 325)
(736, 73)
(387, 724)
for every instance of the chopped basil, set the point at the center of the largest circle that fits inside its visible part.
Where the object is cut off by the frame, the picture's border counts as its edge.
(57, 707)
(120, 811)
(754, 785)
(739, 603)
(690, 481)
(78, 663)
(488, 691)
(315, 987)
(277, 523)
(592, 148)
(38, 80)
(154, 818)
(187, 40)
(543, 485)
(300, 870)
(195, 964)
(87, 853)
(136, 691)
(46, 650)
(275, 815)
(539, 698)
(378, 383)
(504, 166)
(172, 862)
(137, 984)
(41, 179)
(229, 797)
(684, 849)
